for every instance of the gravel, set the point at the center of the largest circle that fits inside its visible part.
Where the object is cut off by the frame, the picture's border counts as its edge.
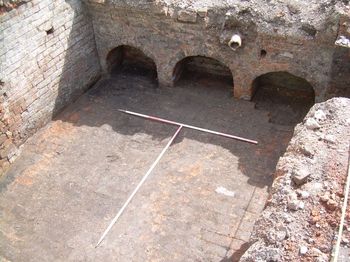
(307, 193)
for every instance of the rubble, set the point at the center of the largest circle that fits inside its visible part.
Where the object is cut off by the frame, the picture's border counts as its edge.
(303, 194)
(300, 176)
(262, 253)
(293, 202)
(303, 250)
(343, 41)
(329, 138)
(320, 116)
(307, 193)
(312, 124)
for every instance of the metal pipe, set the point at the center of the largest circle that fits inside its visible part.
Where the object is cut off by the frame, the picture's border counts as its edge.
(138, 187)
(189, 126)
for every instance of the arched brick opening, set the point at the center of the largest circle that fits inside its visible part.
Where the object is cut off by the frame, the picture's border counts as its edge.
(130, 60)
(287, 97)
(195, 68)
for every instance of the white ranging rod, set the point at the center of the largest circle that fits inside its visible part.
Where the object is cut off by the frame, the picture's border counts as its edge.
(343, 215)
(138, 187)
(180, 126)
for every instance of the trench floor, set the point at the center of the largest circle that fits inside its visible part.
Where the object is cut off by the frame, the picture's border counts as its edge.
(199, 204)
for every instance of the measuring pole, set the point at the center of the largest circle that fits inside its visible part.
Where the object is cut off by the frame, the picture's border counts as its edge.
(138, 187)
(180, 126)
(189, 126)
(343, 214)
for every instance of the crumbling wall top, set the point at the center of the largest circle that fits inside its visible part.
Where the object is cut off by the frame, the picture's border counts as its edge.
(305, 19)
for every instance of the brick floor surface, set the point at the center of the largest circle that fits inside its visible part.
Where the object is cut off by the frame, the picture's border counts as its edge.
(74, 175)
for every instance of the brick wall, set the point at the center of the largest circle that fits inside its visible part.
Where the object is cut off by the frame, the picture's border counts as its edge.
(47, 57)
(168, 34)
(48, 54)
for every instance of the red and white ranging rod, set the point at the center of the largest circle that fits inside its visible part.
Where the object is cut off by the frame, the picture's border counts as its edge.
(189, 126)
(138, 187)
(180, 126)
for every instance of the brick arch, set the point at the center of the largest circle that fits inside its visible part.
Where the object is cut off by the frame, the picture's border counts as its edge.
(291, 83)
(130, 55)
(126, 42)
(210, 64)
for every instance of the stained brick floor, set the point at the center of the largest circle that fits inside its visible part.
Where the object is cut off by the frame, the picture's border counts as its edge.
(75, 173)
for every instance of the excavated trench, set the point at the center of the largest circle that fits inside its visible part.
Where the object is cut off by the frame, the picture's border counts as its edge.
(253, 69)
(203, 198)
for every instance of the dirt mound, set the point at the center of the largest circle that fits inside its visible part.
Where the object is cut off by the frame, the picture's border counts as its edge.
(302, 215)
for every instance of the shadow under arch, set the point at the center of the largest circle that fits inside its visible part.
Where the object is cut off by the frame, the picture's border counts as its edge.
(203, 70)
(276, 89)
(126, 59)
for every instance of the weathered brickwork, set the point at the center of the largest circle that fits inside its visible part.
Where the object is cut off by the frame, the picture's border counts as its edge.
(168, 34)
(7, 5)
(52, 50)
(47, 57)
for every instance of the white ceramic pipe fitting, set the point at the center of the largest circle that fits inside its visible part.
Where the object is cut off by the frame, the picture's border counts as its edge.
(235, 42)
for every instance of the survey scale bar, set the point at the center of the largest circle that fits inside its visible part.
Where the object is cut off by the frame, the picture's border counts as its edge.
(189, 126)
(120, 212)
(180, 126)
